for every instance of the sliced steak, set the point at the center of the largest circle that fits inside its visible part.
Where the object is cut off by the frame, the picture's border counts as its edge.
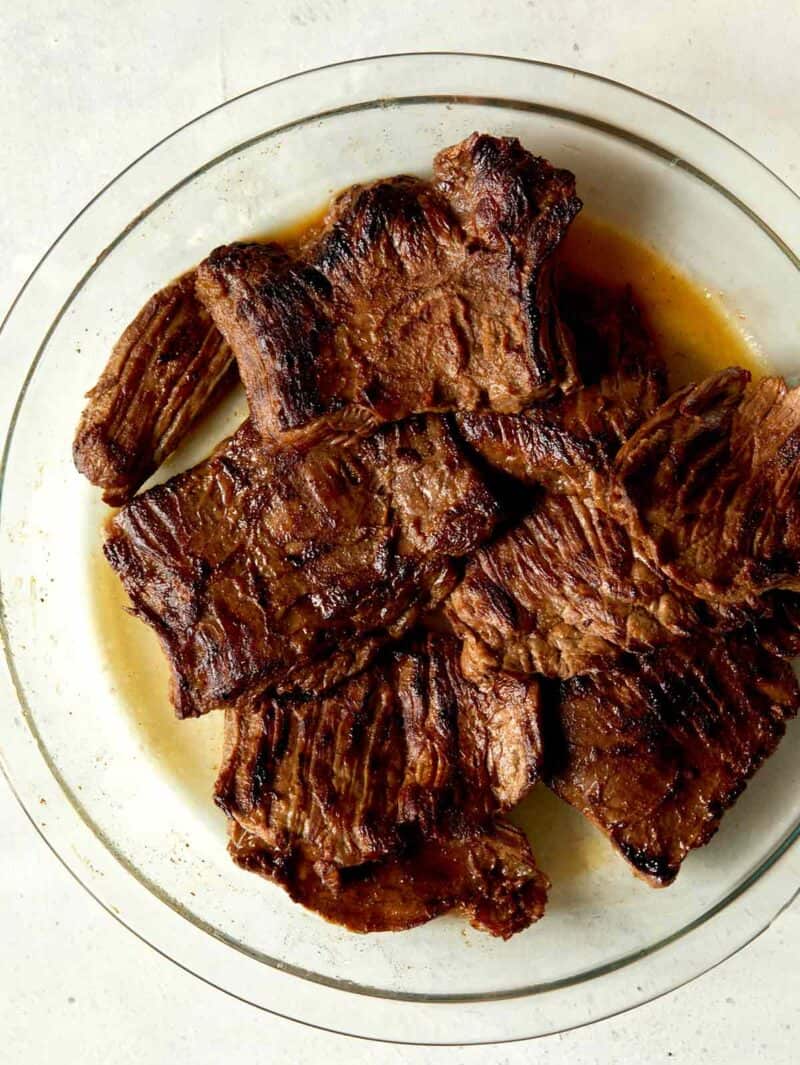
(569, 441)
(416, 296)
(563, 592)
(377, 804)
(489, 876)
(697, 519)
(287, 571)
(711, 482)
(655, 749)
(408, 742)
(168, 367)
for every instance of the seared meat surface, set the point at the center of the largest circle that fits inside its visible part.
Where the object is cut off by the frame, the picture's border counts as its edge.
(417, 296)
(569, 441)
(563, 592)
(409, 741)
(695, 520)
(712, 483)
(655, 749)
(489, 876)
(287, 571)
(168, 367)
(399, 774)
(779, 628)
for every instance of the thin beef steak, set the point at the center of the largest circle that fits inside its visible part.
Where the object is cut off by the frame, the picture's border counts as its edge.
(399, 773)
(168, 367)
(655, 749)
(711, 482)
(417, 296)
(287, 571)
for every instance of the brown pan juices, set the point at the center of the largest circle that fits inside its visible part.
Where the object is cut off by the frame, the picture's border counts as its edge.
(695, 333)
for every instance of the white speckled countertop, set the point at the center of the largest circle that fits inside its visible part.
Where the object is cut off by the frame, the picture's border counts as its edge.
(86, 87)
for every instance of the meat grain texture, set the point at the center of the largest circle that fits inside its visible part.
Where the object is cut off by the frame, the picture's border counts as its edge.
(167, 369)
(568, 442)
(713, 481)
(654, 750)
(399, 776)
(417, 296)
(286, 570)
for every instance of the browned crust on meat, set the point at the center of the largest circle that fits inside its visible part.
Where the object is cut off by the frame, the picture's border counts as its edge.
(287, 571)
(711, 483)
(168, 367)
(408, 742)
(415, 297)
(655, 749)
(568, 442)
(563, 592)
(377, 805)
(490, 877)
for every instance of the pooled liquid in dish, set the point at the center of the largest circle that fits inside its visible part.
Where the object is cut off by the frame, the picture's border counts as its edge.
(696, 336)
(293, 233)
(188, 751)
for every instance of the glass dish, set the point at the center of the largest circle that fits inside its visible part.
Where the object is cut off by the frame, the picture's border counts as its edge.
(120, 791)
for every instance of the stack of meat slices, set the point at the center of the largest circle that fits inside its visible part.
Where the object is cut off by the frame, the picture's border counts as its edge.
(464, 541)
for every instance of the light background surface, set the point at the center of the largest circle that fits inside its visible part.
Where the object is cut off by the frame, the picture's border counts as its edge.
(85, 87)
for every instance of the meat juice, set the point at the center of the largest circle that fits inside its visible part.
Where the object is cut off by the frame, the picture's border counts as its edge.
(695, 332)
(188, 751)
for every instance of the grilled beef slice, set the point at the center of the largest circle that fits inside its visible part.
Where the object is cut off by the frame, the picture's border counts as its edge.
(655, 749)
(398, 775)
(409, 741)
(711, 483)
(698, 518)
(570, 440)
(489, 876)
(169, 366)
(563, 592)
(417, 296)
(287, 571)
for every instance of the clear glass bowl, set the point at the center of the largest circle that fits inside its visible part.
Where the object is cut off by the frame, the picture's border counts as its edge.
(120, 790)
